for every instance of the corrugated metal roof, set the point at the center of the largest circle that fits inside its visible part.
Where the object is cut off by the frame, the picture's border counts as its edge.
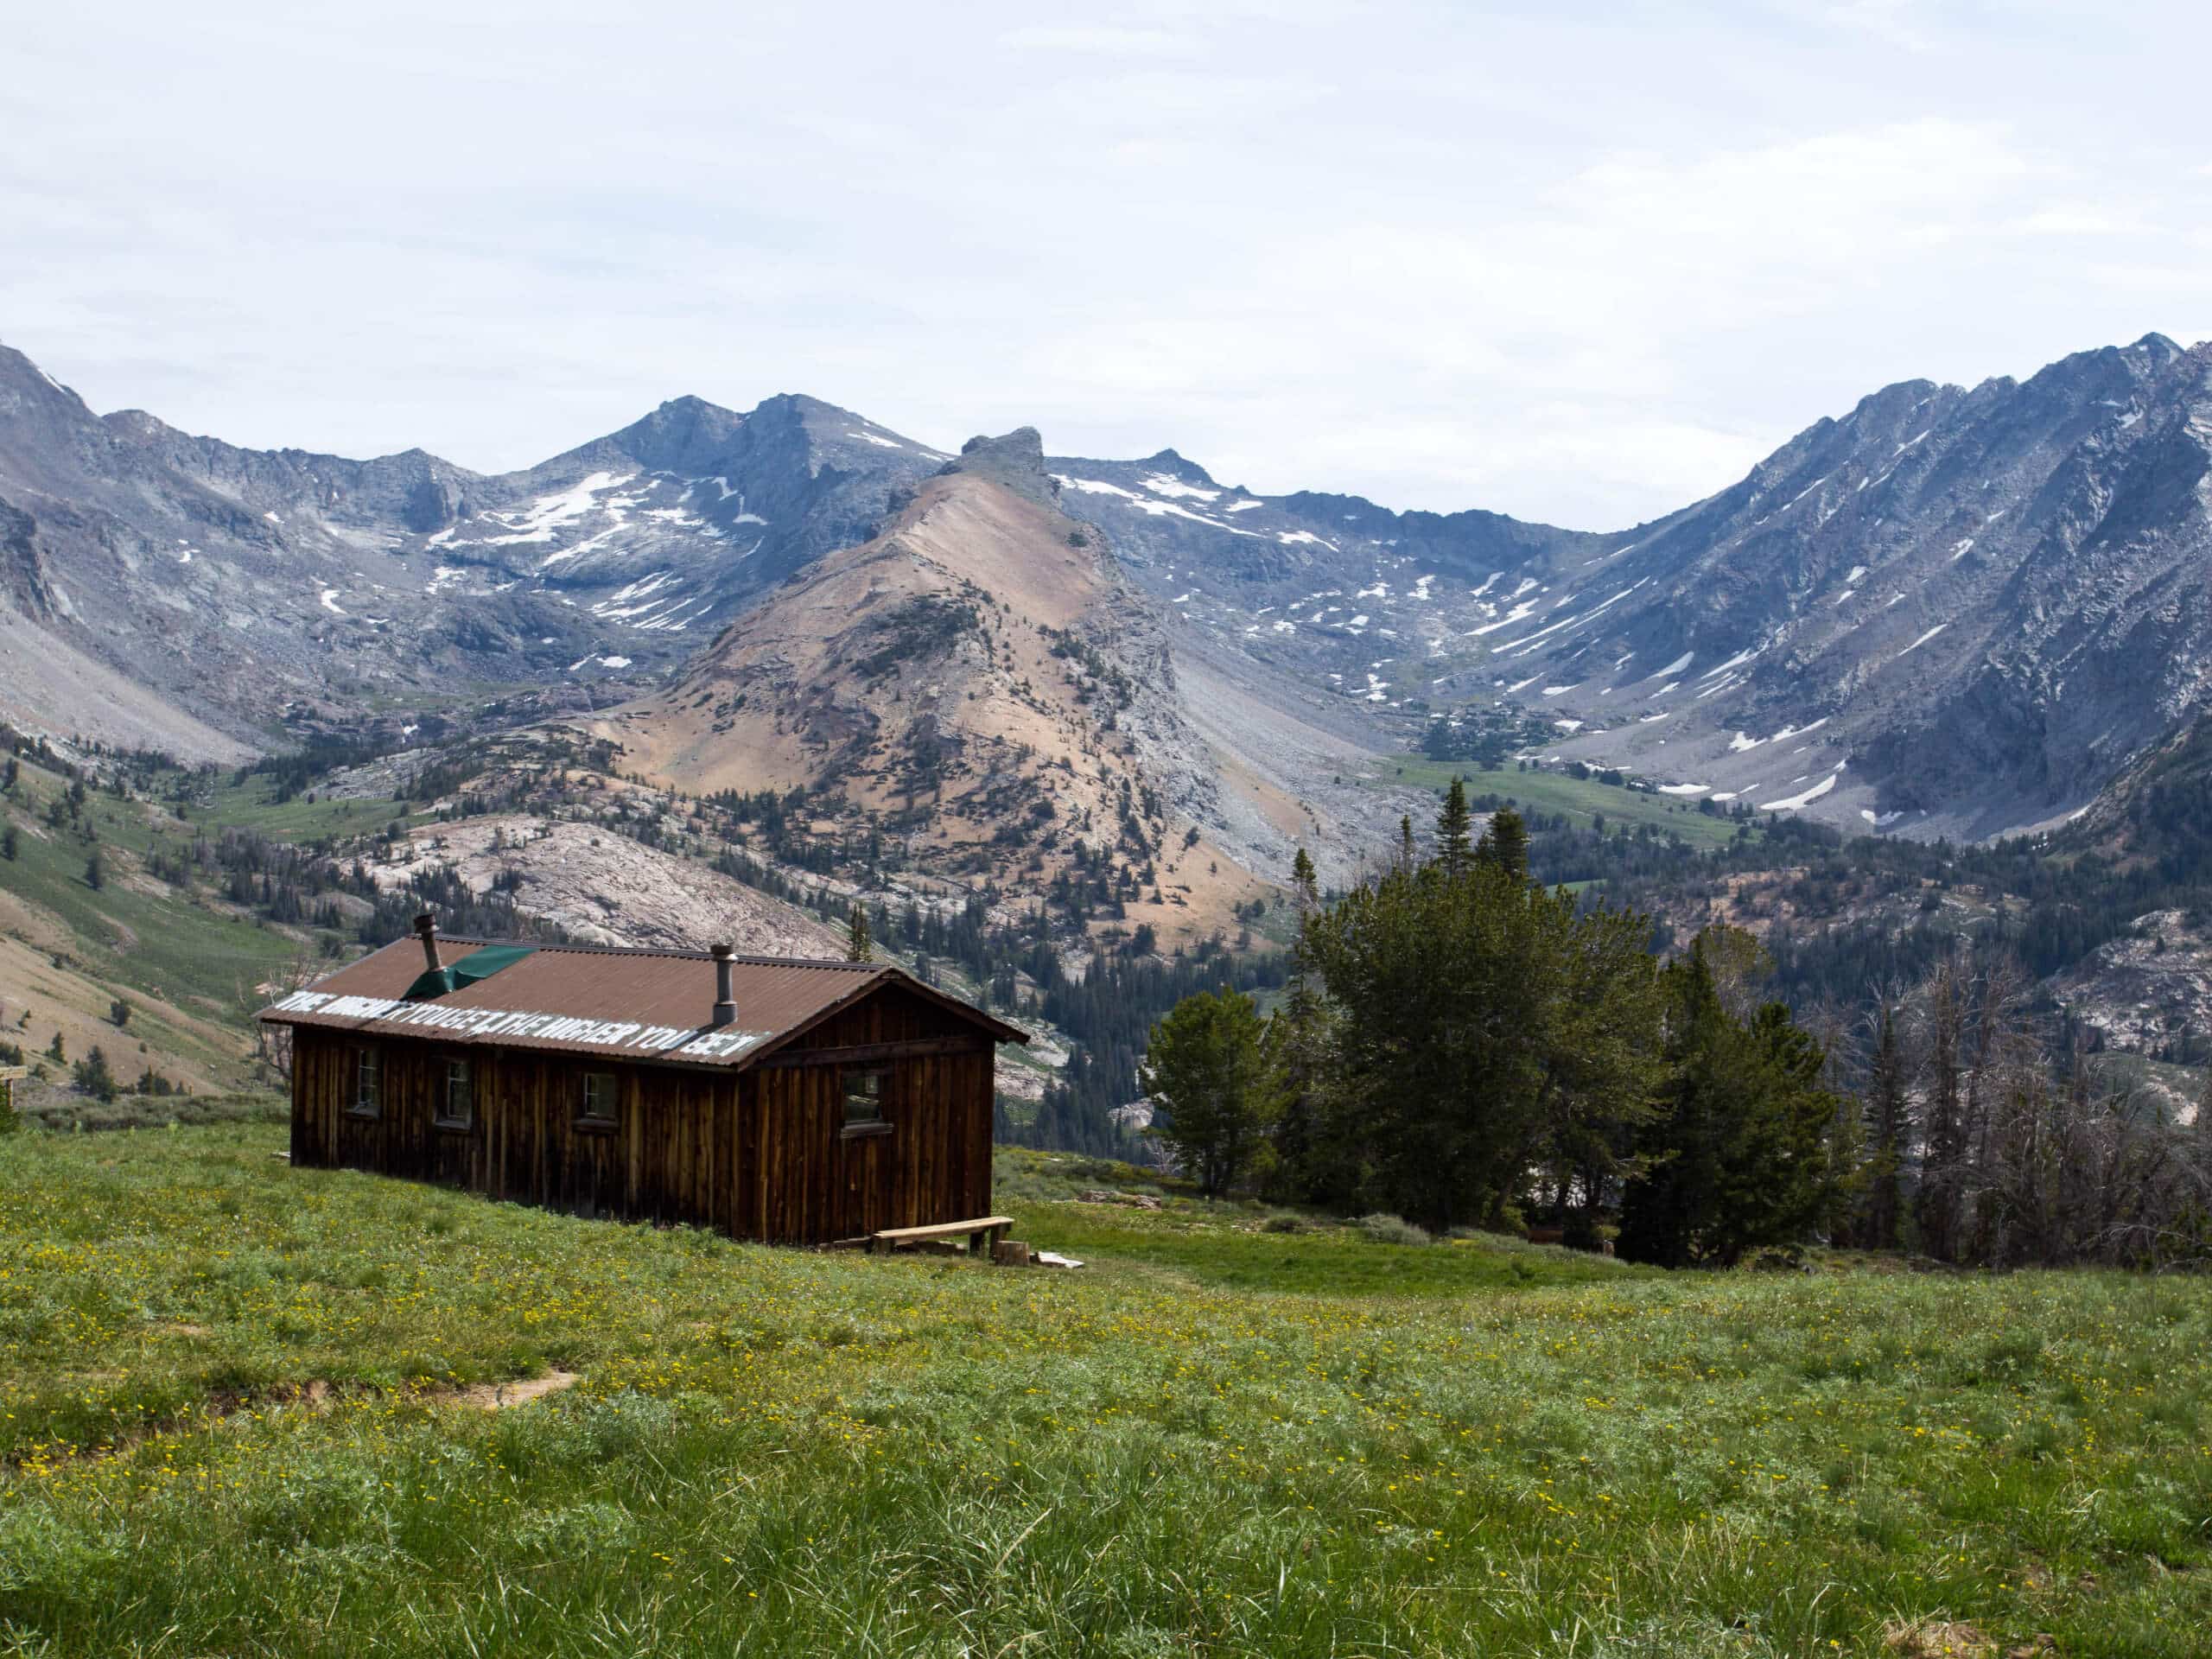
(602, 1000)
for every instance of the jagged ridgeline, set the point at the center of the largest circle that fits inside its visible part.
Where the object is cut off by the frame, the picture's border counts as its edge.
(1087, 710)
(1998, 578)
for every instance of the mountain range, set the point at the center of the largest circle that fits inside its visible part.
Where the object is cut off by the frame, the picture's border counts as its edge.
(1955, 612)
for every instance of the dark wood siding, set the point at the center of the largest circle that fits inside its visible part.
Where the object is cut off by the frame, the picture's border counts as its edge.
(761, 1153)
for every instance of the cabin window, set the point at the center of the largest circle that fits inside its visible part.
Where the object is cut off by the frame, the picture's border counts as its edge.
(458, 1110)
(864, 1092)
(598, 1110)
(368, 1085)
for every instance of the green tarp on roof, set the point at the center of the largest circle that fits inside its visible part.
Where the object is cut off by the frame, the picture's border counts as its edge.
(478, 964)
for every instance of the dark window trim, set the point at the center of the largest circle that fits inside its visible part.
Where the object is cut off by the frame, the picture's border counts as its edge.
(443, 1118)
(589, 1122)
(355, 1107)
(852, 1129)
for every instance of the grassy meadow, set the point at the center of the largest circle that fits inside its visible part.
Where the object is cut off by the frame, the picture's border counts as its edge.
(1581, 801)
(135, 934)
(232, 1419)
(187, 959)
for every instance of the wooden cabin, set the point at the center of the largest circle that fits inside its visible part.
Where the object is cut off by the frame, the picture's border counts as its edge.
(794, 1101)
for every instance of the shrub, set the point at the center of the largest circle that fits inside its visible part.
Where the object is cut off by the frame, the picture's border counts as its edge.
(1384, 1229)
(94, 1077)
(1282, 1225)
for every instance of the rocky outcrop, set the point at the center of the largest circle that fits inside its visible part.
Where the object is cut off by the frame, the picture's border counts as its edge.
(1015, 462)
(981, 679)
(2146, 991)
(603, 889)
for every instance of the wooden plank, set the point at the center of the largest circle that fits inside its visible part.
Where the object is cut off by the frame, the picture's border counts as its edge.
(764, 1105)
(942, 1229)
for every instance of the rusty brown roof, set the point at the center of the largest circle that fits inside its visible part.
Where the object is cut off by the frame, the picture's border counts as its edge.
(605, 1001)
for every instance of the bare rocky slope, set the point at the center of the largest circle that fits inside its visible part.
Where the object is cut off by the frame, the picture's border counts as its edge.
(178, 592)
(1952, 611)
(981, 678)
(604, 888)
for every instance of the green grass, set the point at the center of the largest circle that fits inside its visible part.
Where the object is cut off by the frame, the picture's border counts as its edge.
(195, 952)
(1579, 800)
(162, 943)
(73, 1113)
(1232, 1246)
(252, 805)
(1169, 1453)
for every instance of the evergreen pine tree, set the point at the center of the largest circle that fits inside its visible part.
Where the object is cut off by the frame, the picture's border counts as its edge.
(1205, 1070)
(8, 844)
(1301, 1063)
(1455, 843)
(1298, 1047)
(1737, 1152)
(95, 872)
(1472, 1016)
(94, 1077)
(1661, 1218)
(858, 946)
(1507, 839)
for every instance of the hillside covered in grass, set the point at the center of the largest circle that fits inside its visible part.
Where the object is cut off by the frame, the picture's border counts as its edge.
(229, 1403)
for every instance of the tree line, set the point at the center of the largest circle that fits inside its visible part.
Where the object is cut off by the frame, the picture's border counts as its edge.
(1989, 1144)
(1461, 1046)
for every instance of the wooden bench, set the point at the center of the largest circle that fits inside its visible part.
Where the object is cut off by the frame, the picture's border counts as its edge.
(983, 1234)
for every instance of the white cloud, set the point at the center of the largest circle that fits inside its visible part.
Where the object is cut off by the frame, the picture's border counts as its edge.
(1445, 256)
(1893, 22)
(1102, 40)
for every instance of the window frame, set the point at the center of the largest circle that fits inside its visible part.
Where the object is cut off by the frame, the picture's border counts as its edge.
(858, 1129)
(367, 1104)
(608, 1122)
(458, 1069)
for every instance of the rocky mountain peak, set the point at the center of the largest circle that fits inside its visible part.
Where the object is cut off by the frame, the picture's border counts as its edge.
(1176, 465)
(787, 411)
(18, 372)
(685, 436)
(32, 398)
(1015, 461)
(138, 425)
(801, 417)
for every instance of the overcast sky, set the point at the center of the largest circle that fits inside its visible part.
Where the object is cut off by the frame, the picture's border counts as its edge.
(1581, 265)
